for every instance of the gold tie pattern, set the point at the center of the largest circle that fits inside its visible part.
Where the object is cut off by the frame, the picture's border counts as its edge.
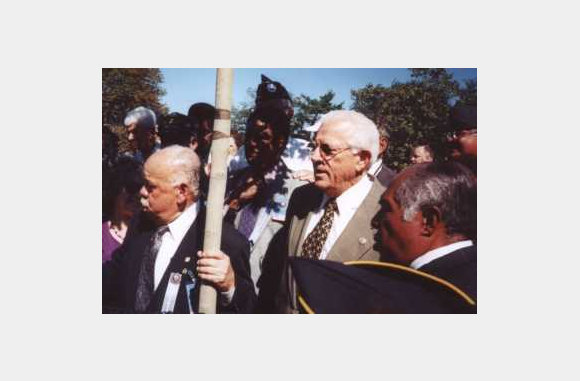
(312, 246)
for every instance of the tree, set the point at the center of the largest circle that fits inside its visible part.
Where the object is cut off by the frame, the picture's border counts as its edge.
(415, 112)
(309, 110)
(241, 113)
(468, 94)
(125, 89)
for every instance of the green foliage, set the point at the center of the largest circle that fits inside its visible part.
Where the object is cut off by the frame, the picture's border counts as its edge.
(415, 112)
(308, 110)
(241, 113)
(468, 94)
(125, 89)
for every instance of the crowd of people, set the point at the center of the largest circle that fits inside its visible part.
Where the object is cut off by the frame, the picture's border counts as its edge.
(331, 198)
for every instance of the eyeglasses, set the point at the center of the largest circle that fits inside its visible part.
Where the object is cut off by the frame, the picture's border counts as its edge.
(462, 133)
(326, 152)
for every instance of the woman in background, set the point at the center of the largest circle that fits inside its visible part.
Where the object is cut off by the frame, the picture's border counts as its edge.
(120, 202)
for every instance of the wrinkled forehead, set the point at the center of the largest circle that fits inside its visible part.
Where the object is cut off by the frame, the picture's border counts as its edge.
(156, 168)
(333, 133)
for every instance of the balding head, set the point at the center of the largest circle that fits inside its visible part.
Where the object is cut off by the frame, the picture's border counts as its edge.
(171, 182)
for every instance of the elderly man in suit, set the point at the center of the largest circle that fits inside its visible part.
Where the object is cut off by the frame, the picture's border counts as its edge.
(428, 221)
(158, 268)
(329, 219)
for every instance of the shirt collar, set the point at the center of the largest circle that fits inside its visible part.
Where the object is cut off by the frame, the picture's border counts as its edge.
(374, 169)
(353, 196)
(179, 227)
(438, 253)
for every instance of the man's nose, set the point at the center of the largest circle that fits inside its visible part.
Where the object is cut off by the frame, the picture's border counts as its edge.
(143, 191)
(315, 154)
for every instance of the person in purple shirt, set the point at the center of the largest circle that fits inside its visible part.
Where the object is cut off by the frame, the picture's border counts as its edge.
(121, 199)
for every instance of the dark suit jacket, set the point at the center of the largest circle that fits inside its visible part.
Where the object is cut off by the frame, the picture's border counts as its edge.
(385, 175)
(357, 242)
(121, 274)
(459, 268)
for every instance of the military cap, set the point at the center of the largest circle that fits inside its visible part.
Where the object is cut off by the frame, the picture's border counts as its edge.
(270, 90)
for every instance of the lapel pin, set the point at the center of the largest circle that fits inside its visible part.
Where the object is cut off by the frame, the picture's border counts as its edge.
(362, 240)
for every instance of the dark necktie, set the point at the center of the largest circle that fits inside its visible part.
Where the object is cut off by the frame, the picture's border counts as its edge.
(248, 220)
(147, 272)
(312, 246)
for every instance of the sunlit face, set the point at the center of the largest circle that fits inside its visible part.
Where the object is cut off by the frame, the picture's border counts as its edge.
(158, 195)
(400, 239)
(336, 166)
(420, 155)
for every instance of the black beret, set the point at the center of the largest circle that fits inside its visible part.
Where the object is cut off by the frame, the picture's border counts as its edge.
(270, 90)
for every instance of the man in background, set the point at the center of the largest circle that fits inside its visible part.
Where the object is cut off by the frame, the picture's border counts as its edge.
(141, 125)
(379, 169)
(422, 154)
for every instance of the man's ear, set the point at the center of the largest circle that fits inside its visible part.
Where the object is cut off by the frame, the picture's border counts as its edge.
(431, 220)
(365, 159)
(181, 192)
(383, 144)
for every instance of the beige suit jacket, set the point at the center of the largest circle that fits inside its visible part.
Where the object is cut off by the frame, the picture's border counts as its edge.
(355, 243)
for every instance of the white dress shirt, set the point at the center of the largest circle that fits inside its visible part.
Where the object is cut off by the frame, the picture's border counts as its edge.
(348, 202)
(376, 167)
(439, 252)
(172, 239)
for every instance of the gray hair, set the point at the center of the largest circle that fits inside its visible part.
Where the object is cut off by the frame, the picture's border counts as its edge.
(185, 166)
(363, 133)
(142, 116)
(449, 186)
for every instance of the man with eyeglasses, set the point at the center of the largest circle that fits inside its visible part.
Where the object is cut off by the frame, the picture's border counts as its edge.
(329, 219)
(463, 136)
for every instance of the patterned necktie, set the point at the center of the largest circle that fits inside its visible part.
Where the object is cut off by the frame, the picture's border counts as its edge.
(147, 273)
(312, 246)
(248, 221)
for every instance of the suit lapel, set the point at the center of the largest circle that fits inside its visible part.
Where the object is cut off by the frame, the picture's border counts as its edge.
(357, 239)
(298, 226)
(187, 248)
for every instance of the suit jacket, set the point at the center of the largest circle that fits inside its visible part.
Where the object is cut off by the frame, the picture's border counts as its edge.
(458, 267)
(121, 274)
(271, 216)
(385, 175)
(356, 242)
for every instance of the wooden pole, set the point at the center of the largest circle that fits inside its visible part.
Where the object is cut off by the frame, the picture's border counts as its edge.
(217, 180)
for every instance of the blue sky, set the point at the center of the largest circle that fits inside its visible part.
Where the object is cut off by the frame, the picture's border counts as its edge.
(187, 86)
